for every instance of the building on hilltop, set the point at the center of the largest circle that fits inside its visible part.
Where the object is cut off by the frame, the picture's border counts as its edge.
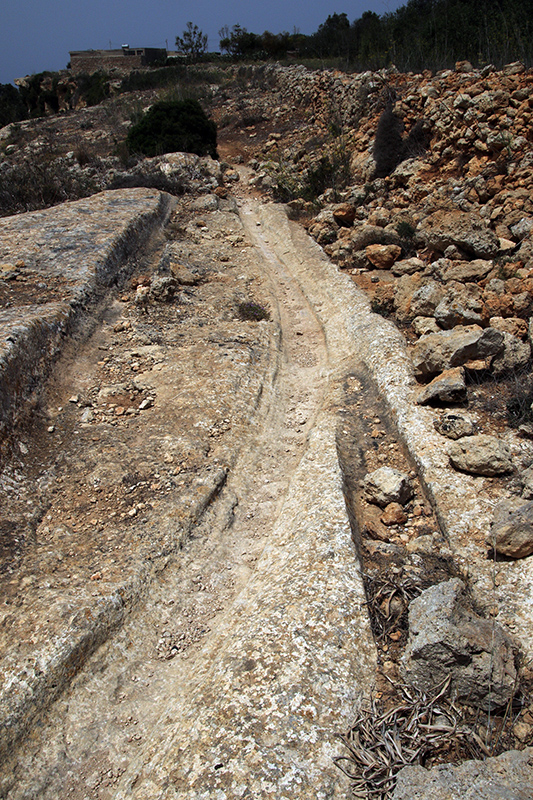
(125, 59)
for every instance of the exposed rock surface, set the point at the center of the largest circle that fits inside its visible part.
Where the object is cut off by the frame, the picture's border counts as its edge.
(506, 777)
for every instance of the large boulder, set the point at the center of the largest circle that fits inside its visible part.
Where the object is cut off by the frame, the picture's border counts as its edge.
(464, 229)
(474, 270)
(447, 639)
(515, 355)
(511, 532)
(426, 299)
(481, 455)
(387, 485)
(439, 351)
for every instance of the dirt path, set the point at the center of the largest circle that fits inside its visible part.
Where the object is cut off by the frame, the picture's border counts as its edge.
(133, 688)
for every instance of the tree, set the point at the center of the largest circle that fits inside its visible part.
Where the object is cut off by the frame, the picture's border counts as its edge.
(193, 42)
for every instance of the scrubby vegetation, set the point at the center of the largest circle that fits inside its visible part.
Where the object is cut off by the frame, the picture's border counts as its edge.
(169, 127)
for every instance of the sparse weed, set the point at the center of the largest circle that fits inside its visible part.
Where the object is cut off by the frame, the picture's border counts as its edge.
(251, 311)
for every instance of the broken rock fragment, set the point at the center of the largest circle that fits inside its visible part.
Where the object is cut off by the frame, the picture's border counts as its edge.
(447, 388)
(466, 230)
(387, 485)
(439, 351)
(446, 638)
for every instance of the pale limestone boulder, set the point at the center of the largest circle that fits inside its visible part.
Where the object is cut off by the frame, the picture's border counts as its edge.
(514, 325)
(511, 532)
(364, 235)
(481, 455)
(424, 325)
(505, 777)
(426, 299)
(408, 266)
(474, 270)
(461, 305)
(387, 485)
(406, 286)
(515, 355)
(526, 481)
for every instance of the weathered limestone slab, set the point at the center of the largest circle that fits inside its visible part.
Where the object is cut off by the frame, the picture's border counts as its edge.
(290, 657)
(283, 674)
(77, 249)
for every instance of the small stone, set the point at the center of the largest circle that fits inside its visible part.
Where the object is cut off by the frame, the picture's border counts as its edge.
(51, 428)
(383, 256)
(146, 403)
(96, 576)
(394, 515)
(522, 731)
(454, 425)
(75, 398)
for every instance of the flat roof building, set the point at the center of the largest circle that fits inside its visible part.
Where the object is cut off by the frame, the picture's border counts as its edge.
(125, 59)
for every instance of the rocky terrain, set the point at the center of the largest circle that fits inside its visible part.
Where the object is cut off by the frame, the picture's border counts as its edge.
(213, 383)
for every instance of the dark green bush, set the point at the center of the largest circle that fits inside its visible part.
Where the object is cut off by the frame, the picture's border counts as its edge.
(388, 144)
(174, 126)
(93, 88)
(12, 108)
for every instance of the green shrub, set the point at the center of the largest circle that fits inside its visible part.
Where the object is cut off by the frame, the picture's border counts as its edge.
(174, 126)
(388, 144)
(93, 88)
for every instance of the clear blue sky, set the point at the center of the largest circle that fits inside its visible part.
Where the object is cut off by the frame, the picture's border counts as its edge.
(36, 35)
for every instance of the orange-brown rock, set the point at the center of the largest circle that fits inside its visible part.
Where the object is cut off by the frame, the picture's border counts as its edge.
(344, 214)
(383, 256)
(393, 514)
